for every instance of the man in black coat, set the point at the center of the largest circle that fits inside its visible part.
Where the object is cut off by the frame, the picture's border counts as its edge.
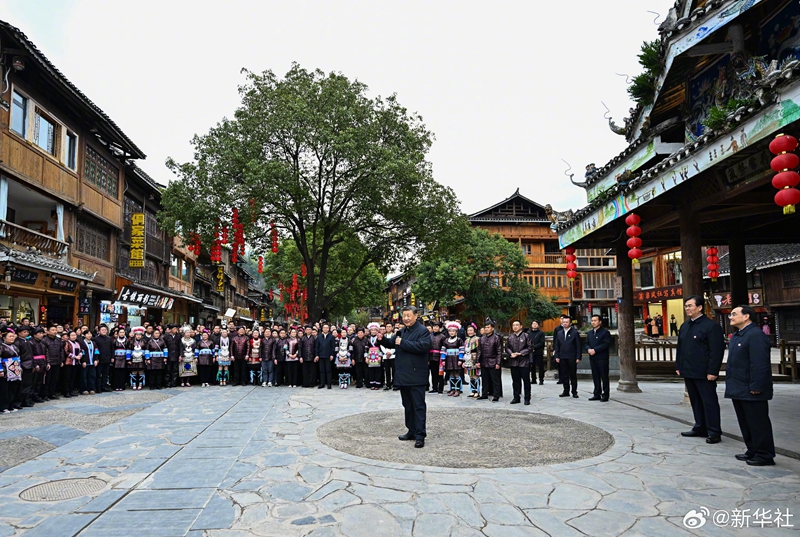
(412, 347)
(567, 351)
(173, 342)
(748, 383)
(105, 347)
(537, 352)
(698, 359)
(325, 353)
(598, 341)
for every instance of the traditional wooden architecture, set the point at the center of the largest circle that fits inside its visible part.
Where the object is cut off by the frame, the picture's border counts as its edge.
(61, 189)
(526, 223)
(697, 170)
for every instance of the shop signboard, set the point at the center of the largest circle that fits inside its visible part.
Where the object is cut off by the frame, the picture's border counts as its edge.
(63, 285)
(28, 277)
(137, 241)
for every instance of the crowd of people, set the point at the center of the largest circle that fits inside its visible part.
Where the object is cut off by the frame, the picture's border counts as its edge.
(40, 364)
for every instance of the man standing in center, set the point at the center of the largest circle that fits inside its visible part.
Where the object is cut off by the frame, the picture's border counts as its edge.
(518, 350)
(598, 341)
(698, 358)
(412, 346)
(567, 351)
(240, 348)
(325, 351)
(489, 349)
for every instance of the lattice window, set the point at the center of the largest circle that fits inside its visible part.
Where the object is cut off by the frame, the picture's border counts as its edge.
(152, 225)
(101, 173)
(92, 241)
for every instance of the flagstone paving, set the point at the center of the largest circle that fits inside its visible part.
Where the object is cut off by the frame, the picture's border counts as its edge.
(250, 461)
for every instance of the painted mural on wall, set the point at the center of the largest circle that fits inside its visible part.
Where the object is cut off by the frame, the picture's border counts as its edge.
(632, 163)
(775, 117)
(692, 38)
(780, 35)
(713, 87)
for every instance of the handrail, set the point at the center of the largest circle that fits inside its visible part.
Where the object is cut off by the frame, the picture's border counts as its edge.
(22, 236)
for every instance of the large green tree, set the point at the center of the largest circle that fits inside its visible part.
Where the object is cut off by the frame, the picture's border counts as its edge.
(330, 165)
(485, 270)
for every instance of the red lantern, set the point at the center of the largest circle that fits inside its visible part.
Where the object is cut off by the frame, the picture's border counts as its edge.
(633, 219)
(571, 266)
(713, 260)
(260, 264)
(783, 144)
(633, 231)
(271, 296)
(785, 163)
(570, 250)
(303, 272)
(571, 274)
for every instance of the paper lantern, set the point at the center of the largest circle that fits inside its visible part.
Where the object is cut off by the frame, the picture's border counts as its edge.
(713, 260)
(634, 242)
(633, 219)
(633, 231)
(785, 163)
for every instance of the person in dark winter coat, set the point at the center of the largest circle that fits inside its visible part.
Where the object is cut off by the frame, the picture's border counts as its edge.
(358, 351)
(412, 347)
(435, 358)
(490, 349)
(698, 358)
(105, 348)
(537, 352)
(748, 383)
(518, 350)
(598, 342)
(567, 351)
(325, 352)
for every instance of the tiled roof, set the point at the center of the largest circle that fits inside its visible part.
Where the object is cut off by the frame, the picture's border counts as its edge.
(47, 65)
(41, 262)
(761, 256)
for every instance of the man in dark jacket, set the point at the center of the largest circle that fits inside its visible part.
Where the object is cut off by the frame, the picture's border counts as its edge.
(412, 347)
(307, 355)
(25, 351)
(173, 342)
(490, 349)
(240, 348)
(437, 339)
(325, 353)
(55, 360)
(748, 383)
(518, 350)
(698, 359)
(537, 339)
(105, 348)
(598, 341)
(567, 351)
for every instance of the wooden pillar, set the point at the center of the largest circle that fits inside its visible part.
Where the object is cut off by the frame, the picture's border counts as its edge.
(739, 295)
(627, 338)
(691, 251)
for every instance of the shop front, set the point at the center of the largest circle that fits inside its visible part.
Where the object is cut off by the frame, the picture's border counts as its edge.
(137, 304)
(664, 301)
(722, 304)
(38, 288)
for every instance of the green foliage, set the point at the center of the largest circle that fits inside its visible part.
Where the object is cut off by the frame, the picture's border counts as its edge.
(643, 87)
(344, 177)
(472, 270)
(718, 116)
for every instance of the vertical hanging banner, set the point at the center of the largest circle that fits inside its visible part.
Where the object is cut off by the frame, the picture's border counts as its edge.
(137, 241)
(219, 278)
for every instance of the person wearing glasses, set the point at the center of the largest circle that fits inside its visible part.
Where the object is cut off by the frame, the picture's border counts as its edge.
(748, 383)
(701, 345)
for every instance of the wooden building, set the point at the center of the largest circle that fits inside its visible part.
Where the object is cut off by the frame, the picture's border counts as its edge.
(697, 167)
(61, 190)
(525, 223)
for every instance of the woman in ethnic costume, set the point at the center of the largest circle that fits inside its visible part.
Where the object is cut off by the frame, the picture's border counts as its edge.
(138, 352)
(10, 372)
(223, 357)
(374, 359)
(453, 354)
(205, 358)
(471, 362)
(120, 359)
(254, 358)
(188, 363)
(157, 360)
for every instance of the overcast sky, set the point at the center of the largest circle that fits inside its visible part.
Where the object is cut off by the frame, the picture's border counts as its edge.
(508, 89)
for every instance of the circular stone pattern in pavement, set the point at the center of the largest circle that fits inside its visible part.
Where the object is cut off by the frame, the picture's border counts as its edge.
(462, 438)
(64, 489)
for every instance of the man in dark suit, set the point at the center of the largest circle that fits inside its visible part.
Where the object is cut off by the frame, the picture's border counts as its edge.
(325, 352)
(598, 341)
(567, 352)
(748, 383)
(412, 345)
(698, 359)
(557, 331)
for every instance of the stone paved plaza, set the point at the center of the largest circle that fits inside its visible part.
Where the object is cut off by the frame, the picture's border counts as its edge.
(250, 461)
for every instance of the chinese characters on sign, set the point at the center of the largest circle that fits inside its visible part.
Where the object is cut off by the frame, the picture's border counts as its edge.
(63, 285)
(137, 241)
(219, 278)
(724, 300)
(659, 294)
(144, 299)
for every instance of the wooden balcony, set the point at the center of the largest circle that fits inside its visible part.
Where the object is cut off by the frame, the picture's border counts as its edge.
(20, 237)
(546, 259)
(560, 294)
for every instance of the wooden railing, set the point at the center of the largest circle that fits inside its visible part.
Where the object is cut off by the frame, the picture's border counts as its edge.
(788, 363)
(548, 259)
(20, 236)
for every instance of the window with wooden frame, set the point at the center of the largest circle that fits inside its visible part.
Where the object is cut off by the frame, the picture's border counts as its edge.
(41, 128)
(92, 241)
(101, 173)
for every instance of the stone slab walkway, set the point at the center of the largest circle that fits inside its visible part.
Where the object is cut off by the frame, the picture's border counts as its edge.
(247, 461)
